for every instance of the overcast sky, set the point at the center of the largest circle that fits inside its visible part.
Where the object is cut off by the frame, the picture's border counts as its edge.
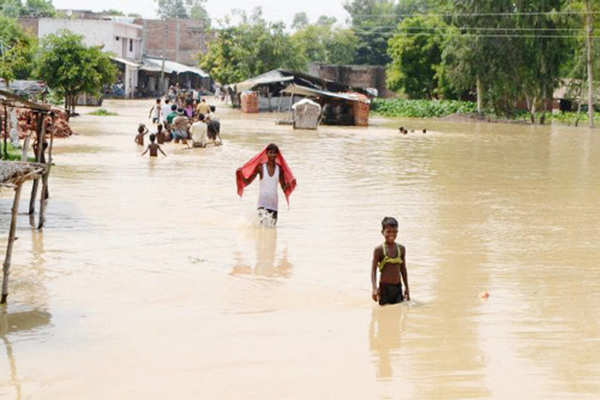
(275, 10)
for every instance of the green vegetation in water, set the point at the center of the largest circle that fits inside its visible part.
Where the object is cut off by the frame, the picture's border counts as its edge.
(14, 154)
(103, 113)
(421, 108)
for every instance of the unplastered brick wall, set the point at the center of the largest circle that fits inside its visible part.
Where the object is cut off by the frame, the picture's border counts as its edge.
(178, 40)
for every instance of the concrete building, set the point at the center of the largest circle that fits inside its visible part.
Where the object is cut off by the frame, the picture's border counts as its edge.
(179, 40)
(122, 40)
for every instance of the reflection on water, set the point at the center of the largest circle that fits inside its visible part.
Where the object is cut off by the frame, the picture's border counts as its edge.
(265, 239)
(385, 337)
(15, 323)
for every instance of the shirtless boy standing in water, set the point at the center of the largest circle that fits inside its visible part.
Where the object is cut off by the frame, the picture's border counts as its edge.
(390, 260)
(153, 148)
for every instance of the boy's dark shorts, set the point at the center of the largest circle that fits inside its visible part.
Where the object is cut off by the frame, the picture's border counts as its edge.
(390, 294)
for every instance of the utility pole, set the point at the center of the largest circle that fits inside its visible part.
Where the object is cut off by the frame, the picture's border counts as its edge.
(162, 68)
(177, 33)
(588, 42)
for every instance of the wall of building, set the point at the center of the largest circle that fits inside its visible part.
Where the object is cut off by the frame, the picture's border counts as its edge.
(121, 39)
(179, 40)
(362, 76)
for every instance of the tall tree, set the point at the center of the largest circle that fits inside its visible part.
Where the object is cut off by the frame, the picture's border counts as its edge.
(374, 22)
(171, 9)
(16, 50)
(300, 21)
(250, 48)
(71, 68)
(198, 12)
(416, 51)
(509, 57)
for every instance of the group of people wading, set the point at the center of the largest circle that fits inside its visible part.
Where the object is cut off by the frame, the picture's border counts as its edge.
(182, 120)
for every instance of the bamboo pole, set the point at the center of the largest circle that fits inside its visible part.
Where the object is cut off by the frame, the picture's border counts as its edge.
(41, 132)
(11, 240)
(44, 194)
(588, 43)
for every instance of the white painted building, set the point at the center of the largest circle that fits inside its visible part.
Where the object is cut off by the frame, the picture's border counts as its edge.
(120, 39)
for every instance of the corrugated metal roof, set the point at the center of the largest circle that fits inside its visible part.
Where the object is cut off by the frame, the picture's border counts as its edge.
(306, 91)
(155, 64)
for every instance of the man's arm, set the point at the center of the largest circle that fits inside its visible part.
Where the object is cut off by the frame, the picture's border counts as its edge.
(147, 148)
(281, 180)
(150, 113)
(405, 275)
(374, 293)
(163, 153)
(253, 176)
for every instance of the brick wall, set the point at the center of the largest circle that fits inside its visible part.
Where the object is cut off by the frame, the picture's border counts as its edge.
(178, 39)
(362, 76)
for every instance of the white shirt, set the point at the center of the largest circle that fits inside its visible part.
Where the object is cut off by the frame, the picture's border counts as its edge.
(268, 195)
(199, 132)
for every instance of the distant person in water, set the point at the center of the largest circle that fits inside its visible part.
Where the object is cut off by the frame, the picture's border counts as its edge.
(390, 260)
(156, 112)
(160, 134)
(153, 148)
(272, 169)
(141, 132)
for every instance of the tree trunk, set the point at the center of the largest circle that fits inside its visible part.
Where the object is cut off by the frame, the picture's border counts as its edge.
(5, 133)
(588, 43)
(479, 96)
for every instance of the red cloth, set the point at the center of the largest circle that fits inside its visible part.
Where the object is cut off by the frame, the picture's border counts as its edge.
(248, 169)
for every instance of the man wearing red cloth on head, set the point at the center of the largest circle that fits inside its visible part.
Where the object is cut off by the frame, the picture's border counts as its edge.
(272, 169)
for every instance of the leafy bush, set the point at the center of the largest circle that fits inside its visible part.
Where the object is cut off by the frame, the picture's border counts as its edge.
(421, 108)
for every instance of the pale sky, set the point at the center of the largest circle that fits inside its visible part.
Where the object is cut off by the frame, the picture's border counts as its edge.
(274, 10)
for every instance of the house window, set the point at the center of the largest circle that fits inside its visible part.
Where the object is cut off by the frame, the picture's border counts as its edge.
(130, 44)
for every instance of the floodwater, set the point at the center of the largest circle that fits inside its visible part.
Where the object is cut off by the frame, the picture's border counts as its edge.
(152, 281)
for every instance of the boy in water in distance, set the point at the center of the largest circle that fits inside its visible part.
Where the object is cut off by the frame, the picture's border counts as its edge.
(390, 260)
(153, 148)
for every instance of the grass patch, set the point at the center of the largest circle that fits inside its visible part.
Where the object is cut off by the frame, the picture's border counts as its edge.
(101, 112)
(14, 154)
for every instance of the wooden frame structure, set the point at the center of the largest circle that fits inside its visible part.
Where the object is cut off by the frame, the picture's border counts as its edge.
(13, 174)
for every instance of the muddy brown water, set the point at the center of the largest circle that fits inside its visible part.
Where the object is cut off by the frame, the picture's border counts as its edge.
(151, 279)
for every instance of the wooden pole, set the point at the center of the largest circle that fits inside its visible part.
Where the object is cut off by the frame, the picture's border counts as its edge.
(41, 132)
(11, 240)
(44, 194)
(5, 132)
(588, 43)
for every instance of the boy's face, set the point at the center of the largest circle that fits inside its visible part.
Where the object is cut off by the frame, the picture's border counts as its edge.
(390, 234)
(271, 154)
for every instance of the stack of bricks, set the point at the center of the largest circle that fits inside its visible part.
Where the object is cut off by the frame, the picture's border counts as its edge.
(249, 102)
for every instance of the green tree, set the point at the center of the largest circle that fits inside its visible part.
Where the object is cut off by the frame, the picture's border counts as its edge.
(71, 68)
(16, 50)
(374, 23)
(171, 9)
(415, 51)
(325, 43)
(38, 9)
(506, 69)
(300, 21)
(252, 47)
(198, 12)
(11, 8)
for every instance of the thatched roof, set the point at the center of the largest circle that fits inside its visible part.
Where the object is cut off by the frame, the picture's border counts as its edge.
(14, 172)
